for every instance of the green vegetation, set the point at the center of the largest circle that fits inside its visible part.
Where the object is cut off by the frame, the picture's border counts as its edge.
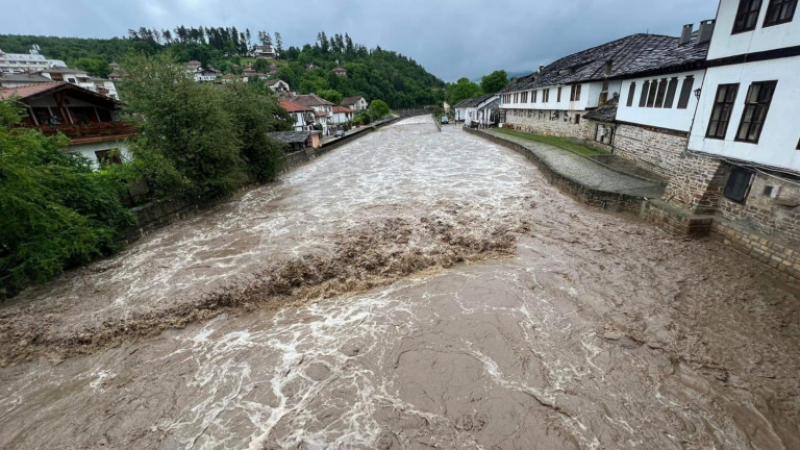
(55, 212)
(462, 90)
(194, 138)
(376, 73)
(566, 144)
(494, 82)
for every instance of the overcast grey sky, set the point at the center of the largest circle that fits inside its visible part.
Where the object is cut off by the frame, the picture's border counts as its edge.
(451, 39)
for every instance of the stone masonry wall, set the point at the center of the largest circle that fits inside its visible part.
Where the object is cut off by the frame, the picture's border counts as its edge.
(695, 182)
(549, 123)
(767, 213)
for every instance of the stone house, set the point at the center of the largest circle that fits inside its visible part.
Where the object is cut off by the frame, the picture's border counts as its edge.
(357, 103)
(483, 110)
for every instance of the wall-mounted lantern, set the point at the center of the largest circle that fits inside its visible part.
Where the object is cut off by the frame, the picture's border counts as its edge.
(697, 93)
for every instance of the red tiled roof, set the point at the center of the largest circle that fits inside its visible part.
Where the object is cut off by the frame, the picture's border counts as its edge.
(26, 91)
(341, 109)
(293, 107)
(311, 100)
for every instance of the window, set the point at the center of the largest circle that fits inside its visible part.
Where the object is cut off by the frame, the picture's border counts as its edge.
(545, 95)
(738, 184)
(535, 94)
(671, 89)
(651, 97)
(721, 114)
(746, 16)
(686, 92)
(105, 157)
(662, 91)
(604, 134)
(643, 98)
(558, 96)
(780, 11)
(577, 118)
(631, 93)
(524, 97)
(575, 93)
(756, 106)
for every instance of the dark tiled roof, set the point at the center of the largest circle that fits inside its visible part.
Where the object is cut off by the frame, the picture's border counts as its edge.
(603, 114)
(25, 77)
(635, 54)
(311, 100)
(352, 100)
(474, 101)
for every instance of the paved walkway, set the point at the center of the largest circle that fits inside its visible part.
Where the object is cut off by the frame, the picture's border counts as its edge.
(584, 170)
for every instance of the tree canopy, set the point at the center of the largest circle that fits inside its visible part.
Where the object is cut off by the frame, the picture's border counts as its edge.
(374, 73)
(462, 90)
(494, 82)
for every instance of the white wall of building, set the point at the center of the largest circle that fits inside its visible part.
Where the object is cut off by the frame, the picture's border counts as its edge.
(724, 43)
(670, 118)
(779, 137)
(589, 97)
(88, 151)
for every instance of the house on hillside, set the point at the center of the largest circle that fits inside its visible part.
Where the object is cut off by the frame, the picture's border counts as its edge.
(304, 116)
(87, 118)
(207, 75)
(341, 114)
(341, 71)
(264, 51)
(357, 103)
(82, 79)
(27, 62)
(12, 80)
(323, 109)
(482, 110)
(279, 87)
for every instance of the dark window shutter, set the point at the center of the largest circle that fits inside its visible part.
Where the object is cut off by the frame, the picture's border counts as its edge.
(738, 184)
(643, 98)
(671, 90)
(686, 92)
(631, 93)
(662, 90)
(651, 96)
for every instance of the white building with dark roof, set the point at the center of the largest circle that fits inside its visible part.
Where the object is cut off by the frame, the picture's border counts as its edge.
(27, 62)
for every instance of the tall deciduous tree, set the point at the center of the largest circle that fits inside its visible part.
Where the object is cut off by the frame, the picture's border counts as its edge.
(494, 82)
(462, 90)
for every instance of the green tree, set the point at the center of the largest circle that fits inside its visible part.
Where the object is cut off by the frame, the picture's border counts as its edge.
(93, 66)
(331, 95)
(183, 122)
(494, 82)
(378, 109)
(462, 90)
(55, 212)
(254, 115)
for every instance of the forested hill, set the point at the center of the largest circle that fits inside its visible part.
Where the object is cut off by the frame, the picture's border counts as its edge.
(373, 73)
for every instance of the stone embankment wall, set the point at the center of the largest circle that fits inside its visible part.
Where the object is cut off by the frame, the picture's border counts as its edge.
(546, 123)
(584, 194)
(157, 214)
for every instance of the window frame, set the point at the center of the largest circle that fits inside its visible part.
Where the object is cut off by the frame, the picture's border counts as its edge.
(643, 95)
(558, 95)
(631, 94)
(730, 103)
(726, 190)
(755, 108)
(661, 92)
(685, 95)
(672, 89)
(746, 8)
(773, 4)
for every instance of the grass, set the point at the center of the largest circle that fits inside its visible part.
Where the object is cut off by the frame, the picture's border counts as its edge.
(566, 144)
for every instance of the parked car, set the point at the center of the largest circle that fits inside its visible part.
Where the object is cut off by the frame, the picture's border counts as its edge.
(339, 133)
(445, 120)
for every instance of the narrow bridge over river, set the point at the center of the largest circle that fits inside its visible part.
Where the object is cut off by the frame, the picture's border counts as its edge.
(412, 289)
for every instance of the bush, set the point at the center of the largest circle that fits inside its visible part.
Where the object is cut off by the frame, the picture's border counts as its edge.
(55, 212)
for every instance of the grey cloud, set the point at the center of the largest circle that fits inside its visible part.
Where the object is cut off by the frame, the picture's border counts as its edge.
(451, 39)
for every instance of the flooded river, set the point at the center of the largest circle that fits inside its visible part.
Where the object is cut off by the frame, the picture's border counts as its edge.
(410, 290)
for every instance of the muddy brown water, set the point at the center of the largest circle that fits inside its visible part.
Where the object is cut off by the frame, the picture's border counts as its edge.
(413, 289)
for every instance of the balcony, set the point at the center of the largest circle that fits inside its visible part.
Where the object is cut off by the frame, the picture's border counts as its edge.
(90, 132)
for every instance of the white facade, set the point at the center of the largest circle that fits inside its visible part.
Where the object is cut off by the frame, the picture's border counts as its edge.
(533, 99)
(341, 117)
(778, 141)
(27, 62)
(658, 115)
(95, 152)
(725, 43)
(358, 105)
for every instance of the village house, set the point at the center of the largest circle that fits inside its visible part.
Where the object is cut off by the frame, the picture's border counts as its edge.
(27, 62)
(279, 87)
(711, 111)
(264, 51)
(304, 116)
(13, 79)
(482, 110)
(357, 103)
(323, 109)
(341, 115)
(342, 72)
(87, 118)
(75, 76)
(207, 75)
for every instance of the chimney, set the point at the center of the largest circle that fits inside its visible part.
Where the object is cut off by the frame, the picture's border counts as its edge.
(706, 31)
(686, 35)
(541, 68)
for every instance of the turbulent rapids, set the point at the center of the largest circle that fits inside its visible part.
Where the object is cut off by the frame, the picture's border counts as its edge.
(413, 289)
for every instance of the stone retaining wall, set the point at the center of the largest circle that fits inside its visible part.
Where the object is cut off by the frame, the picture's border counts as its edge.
(580, 192)
(771, 252)
(544, 123)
